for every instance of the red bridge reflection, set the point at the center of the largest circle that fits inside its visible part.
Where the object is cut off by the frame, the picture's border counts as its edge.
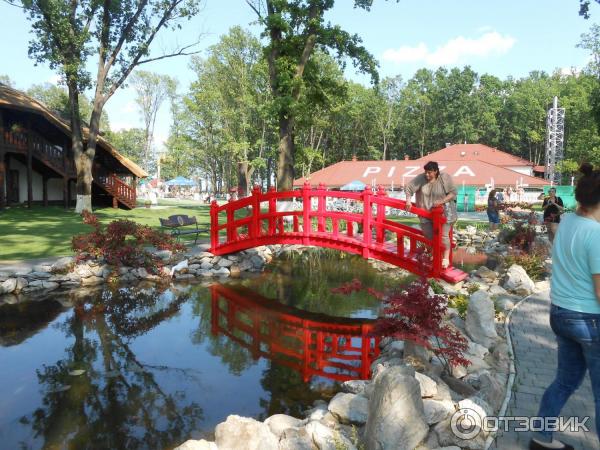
(313, 344)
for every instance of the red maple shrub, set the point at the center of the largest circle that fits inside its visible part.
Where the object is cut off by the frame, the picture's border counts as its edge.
(416, 314)
(122, 242)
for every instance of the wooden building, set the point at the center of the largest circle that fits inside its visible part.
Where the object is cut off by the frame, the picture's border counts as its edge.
(36, 159)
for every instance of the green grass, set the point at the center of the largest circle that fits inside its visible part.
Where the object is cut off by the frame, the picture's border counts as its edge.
(43, 232)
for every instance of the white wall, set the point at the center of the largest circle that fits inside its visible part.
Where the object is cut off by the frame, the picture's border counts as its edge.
(55, 185)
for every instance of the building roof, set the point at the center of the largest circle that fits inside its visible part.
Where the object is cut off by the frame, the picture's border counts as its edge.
(18, 100)
(479, 152)
(472, 173)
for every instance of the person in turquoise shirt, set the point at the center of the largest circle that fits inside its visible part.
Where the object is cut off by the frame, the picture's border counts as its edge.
(575, 308)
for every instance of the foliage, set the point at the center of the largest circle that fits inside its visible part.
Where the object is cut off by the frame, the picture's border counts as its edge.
(417, 315)
(436, 286)
(521, 235)
(472, 288)
(122, 243)
(119, 34)
(460, 302)
(532, 262)
(129, 143)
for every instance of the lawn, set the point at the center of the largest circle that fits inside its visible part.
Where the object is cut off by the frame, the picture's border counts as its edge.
(43, 232)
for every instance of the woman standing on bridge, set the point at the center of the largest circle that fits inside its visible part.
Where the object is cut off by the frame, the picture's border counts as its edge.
(575, 309)
(432, 189)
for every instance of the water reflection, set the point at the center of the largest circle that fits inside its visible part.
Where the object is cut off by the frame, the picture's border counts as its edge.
(151, 366)
(312, 344)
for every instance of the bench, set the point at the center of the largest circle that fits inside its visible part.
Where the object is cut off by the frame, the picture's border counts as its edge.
(176, 223)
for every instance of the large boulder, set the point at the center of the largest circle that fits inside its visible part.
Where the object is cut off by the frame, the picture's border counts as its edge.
(396, 415)
(480, 322)
(278, 423)
(517, 280)
(197, 445)
(242, 432)
(349, 408)
(296, 439)
(325, 438)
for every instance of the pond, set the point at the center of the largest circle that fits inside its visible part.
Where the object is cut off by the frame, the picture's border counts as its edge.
(146, 366)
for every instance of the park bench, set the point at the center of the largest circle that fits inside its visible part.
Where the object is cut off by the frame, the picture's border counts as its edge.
(176, 225)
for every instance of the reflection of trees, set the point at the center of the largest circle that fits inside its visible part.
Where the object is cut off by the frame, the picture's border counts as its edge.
(289, 393)
(305, 281)
(23, 320)
(117, 402)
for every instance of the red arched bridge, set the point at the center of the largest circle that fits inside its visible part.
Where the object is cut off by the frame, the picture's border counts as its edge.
(355, 222)
(312, 344)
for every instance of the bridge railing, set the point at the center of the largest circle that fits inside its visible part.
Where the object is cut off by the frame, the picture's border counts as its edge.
(268, 218)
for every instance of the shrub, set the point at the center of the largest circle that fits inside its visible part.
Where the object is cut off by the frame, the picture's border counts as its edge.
(472, 288)
(122, 243)
(533, 263)
(460, 302)
(521, 235)
(415, 315)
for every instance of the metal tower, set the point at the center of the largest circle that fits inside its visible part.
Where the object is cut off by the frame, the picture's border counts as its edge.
(555, 138)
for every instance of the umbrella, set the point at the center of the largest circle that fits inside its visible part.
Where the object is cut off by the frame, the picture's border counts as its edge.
(180, 181)
(355, 185)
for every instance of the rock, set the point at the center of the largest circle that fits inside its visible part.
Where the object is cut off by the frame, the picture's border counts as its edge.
(427, 385)
(349, 408)
(63, 264)
(221, 271)
(517, 279)
(257, 261)
(206, 265)
(476, 350)
(92, 280)
(38, 275)
(486, 274)
(197, 445)
(295, 439)
(417, 351)
(9, 286)
(396, 417)
(496, 289)
(480, 323)
(50, 285)
(234, 271)
(459, 386)
(542, 286)
(83, 270)
(165, 255)
(278, 423)
(450, 433)
(325, 438)
(242, 432)
(506, 302)
(491, 391)
(436, 411)
(22, 283)
(355, 386)
(225, 263)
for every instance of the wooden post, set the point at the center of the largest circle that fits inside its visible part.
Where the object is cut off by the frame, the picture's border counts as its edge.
(272, 211)
(438, 220)
(45, 190)
(380, 232)
(255, 230)
(306, 225)
(321, 208)
(367, 217)
(214, 226)
(29, 165)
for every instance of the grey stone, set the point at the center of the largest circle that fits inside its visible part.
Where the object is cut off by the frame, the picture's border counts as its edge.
(355, 386)
(62, 264)
(327, 439)
(242, 432)
(197, 445)
(278, 423)
(427, 385)
(436, 411)
(225, 262)
(480, 322)
(517, 279)
(295, 439)
(349, 408)
(396, 416)
(91, 281)
(9, 286)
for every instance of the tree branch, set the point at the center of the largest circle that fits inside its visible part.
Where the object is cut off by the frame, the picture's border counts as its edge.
(180, 52)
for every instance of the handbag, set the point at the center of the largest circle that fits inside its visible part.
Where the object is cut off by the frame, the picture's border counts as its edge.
(450, 210)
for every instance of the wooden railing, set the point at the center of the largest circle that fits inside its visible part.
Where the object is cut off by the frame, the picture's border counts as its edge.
(313, 344)
(122, 191)
(254, 221)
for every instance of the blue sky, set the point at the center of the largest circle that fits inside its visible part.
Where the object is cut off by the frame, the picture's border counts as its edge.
(503, 38)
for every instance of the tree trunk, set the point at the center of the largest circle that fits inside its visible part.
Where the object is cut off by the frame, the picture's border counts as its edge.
(285, 166)
(83, 163)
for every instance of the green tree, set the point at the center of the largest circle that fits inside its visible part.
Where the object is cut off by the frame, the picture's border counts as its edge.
(5, 79)
(67, 33)
(151, 90)
(130, 143)
(295, 28)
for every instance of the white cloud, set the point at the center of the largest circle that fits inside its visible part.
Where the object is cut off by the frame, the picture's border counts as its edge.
(121, 125)
(454, 51)
(54, 79)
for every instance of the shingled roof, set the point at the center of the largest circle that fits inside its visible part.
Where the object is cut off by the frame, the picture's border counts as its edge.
(479, 152)
(15, 99)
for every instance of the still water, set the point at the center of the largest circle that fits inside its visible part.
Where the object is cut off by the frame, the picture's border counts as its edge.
(150, 367)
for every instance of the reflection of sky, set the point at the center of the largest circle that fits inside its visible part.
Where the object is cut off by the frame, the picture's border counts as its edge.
(20, 393)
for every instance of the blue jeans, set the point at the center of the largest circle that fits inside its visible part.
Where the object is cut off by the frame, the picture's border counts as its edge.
(578, 336)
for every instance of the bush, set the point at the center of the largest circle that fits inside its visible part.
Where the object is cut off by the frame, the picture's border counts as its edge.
(460, 302)
(122, 243)
(533, 263)
(521, 235)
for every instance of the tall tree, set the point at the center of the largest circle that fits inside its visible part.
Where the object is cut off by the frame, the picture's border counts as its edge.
(151, 90)
(120, 33)
(294, 29)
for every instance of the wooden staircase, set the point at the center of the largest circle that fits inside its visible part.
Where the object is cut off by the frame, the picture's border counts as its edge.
(121, 192)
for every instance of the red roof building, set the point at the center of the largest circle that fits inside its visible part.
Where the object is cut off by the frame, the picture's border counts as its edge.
(469, 164)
